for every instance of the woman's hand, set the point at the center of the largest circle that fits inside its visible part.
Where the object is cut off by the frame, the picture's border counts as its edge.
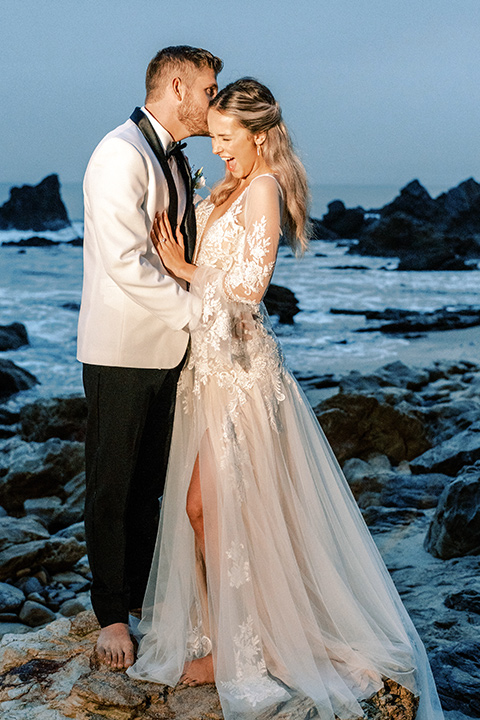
(170, 249)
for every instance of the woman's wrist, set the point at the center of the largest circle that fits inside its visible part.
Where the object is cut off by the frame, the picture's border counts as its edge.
(188, 271)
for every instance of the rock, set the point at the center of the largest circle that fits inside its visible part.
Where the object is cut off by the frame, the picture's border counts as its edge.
(82, 567)
(37, 207)
(70, 608)
(384, 520)
(455, 528)
(319, 231)
(54, 554)
(415, 201)
(410, 321)
(345, 223)
(7, 417)
(282, 302)
(33, 470)
(77, 530)
(73, 509)
(457, 674)
(357, 426)
(72, 580)
(11, 598)
(467, 599)
(412, 491)
(13, 336)
(45, 509)
(451, 455)
(443, 254)
(34, 241)
(17, 531)
(62, 417)
(29, 585)
(13, 379)
(460, 200)
(34, 614)
(418, 244)
(16, 628)
(55, 673)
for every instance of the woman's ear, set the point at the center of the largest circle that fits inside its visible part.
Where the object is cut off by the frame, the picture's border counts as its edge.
(260, 138)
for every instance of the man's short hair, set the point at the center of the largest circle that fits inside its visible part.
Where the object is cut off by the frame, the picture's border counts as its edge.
(177, 58)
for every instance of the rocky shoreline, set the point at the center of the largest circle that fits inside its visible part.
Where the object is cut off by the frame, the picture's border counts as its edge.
(409, 443)
(425, 233)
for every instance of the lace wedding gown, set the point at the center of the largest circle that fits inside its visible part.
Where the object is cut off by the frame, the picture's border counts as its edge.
(294, 598)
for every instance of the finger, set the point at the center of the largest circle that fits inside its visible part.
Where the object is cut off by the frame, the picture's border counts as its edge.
(155, 232)
(163, 230)
(155, 240)
(168, 227)
(180, 240)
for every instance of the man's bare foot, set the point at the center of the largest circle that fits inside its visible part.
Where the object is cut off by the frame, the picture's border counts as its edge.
(115, 647)
(198, 672)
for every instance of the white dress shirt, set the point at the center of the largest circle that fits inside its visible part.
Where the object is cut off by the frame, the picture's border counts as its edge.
(167, 140)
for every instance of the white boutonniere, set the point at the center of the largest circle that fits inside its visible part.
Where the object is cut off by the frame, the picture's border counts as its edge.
(198, 182)
(198, 179)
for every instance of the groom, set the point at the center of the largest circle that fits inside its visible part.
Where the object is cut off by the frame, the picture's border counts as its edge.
(132, 334)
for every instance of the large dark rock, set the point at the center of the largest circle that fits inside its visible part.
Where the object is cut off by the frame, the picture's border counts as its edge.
(35, 207)
(282, 302)
(347, 223)
(34, 470)
(13, 336)
(451, 455)
(455, 528)
(416, 202)
(457, 675)
(17, 531)
(13, 379)
(418, 244)
(358, 425)
(62, 417)
(462, 205)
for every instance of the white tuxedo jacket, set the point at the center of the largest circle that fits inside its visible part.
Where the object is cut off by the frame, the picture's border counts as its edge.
(132, 313)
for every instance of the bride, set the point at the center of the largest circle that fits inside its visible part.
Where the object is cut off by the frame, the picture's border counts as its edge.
(265, 578)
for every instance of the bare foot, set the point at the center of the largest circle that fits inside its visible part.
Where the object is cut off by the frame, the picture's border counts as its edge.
(198, 672)
(115, 647)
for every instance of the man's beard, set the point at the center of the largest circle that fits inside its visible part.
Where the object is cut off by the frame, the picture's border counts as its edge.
(192, 117)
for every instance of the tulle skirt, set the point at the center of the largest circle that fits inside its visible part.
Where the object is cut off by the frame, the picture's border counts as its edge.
(293, 597)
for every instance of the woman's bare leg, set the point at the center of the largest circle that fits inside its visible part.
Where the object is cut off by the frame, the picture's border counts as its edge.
(199, 671)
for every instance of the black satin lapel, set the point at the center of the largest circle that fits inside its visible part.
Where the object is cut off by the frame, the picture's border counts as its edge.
(145, 127)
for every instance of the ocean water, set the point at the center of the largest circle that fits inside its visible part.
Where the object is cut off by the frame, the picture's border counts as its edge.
(41, 287)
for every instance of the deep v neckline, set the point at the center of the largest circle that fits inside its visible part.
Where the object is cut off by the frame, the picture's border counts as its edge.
(207, 229)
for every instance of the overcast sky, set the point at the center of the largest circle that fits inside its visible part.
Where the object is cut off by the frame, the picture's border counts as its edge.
(374, 91)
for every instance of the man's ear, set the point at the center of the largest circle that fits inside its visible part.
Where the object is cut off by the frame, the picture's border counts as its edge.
(178, 88)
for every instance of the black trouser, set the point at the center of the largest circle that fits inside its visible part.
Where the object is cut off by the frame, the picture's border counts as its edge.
(130, 419)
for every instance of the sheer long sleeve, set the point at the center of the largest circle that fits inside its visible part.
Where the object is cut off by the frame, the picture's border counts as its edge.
(248, 278)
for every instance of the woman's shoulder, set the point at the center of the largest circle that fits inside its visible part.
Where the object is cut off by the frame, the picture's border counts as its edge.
(264, 189)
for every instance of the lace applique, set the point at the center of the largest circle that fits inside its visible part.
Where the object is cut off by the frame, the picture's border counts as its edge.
(251, 682)
(198, 644)
(233, 346)
(239, 570)
(252, 273)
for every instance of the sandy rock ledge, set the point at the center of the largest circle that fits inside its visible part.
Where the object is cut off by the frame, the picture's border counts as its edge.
(53, 674)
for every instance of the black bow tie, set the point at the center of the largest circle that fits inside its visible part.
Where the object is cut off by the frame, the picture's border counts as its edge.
(175, 149)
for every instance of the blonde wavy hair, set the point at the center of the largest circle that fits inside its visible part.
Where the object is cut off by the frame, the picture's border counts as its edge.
(254, 107)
